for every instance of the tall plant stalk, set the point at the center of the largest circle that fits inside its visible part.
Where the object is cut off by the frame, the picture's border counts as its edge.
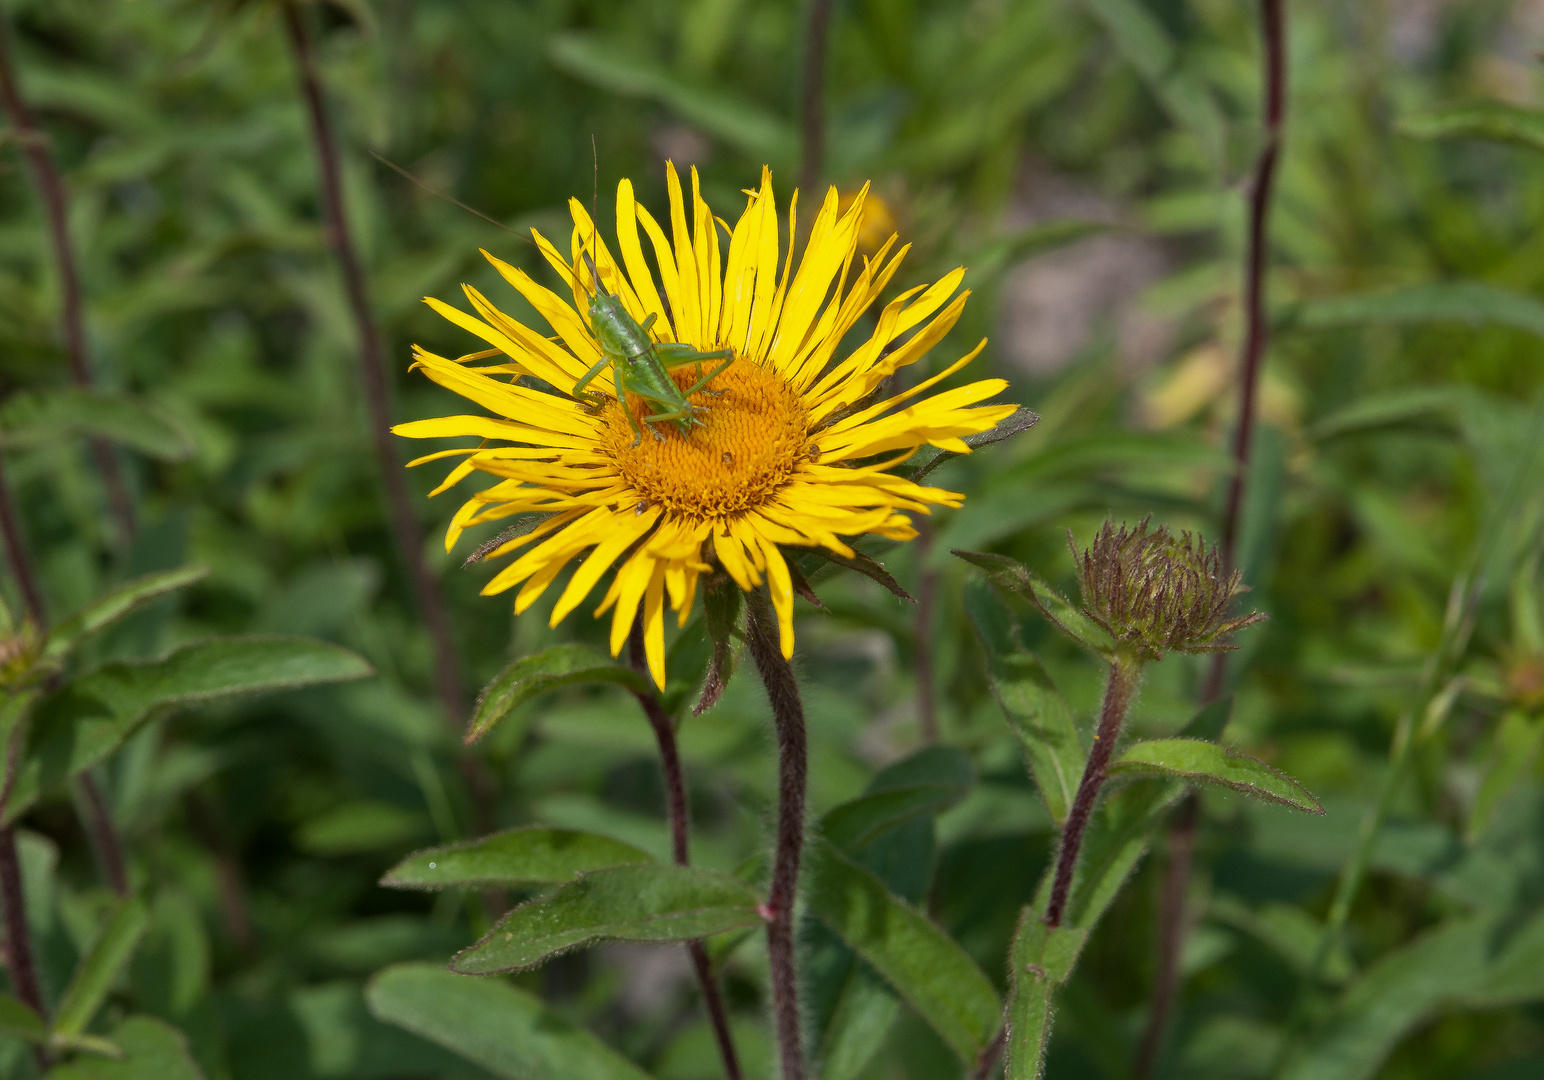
(1181, 837)
(812, 104)
(95, 817)
(680, 826)
(1119, 688)
(50, 186)
(372, 373)
(793, 765)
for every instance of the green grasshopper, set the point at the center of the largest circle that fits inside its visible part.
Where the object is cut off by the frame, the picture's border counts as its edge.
(642, 367)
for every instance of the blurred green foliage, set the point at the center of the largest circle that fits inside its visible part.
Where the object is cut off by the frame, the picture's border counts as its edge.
(1399, 455)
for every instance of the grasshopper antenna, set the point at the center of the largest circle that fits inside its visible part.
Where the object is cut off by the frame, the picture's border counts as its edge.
(449, 198)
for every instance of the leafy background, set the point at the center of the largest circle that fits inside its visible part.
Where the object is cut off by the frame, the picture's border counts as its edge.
(1086, 160)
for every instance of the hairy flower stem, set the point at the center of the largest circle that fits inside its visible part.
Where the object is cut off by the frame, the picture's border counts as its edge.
(1171, 925)
(1119, 689)
(372, 377)
(50, 185)
(18, 940)
(680, 824)
(793, 764)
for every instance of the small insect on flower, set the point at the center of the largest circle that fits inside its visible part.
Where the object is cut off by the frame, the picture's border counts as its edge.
(641, 367)
(1157, 592)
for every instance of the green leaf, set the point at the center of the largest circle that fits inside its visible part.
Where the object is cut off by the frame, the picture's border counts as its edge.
(528, 856)
(361, 825)
(123, 600)
(561, 665)
(34, 419)
(1493, 120)
(1210, 720)
(151, 1049)
(506, 1030)
(1035, 709)
(612, 66)
(860, 563)
(864, 1014)
(1116, 840)
(623, 903)
(934, 975)
(722, 602)
(90, 717)
(930, 457)
(1514, 749)
(18, 1021)
(1144, 43)
(1208, 763)
(1401, 991)
(1040, 960)
(1473, 302)
(94, 977)
(1012, 578)
(925, 784)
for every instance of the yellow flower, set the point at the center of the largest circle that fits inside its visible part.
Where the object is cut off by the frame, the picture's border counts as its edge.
(790, 450)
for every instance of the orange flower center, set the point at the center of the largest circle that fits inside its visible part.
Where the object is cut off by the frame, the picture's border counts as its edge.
(749, 440)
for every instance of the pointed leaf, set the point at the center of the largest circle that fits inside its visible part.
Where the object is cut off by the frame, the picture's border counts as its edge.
(1210, 720)
(1033, 706)
(923, 964)
(924, 784)
(506, 1030)
(90, 717)
(150, 1050)
(623, 903)
(1208, 763)
(94, 978)
(528, 856)
(1473, 302)
(123, 600)
(865, 565)
(32, 419)
(866, 1010)
(721, 606)
(1493, 120)
(858, 821)
(561, 665)
(1012, 578)
(18, 1021)
(1020, 420)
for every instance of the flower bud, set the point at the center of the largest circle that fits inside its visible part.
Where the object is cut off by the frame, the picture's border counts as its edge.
(1158, 593)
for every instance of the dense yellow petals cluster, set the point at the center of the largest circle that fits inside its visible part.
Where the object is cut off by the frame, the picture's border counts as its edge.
(789, 451)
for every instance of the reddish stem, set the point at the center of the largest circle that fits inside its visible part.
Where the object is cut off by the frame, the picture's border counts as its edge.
(812, 103)
(793, 766)
(50, 185)
(404, 524)
(1119, 688)
(1171, 927)
(680, 824)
